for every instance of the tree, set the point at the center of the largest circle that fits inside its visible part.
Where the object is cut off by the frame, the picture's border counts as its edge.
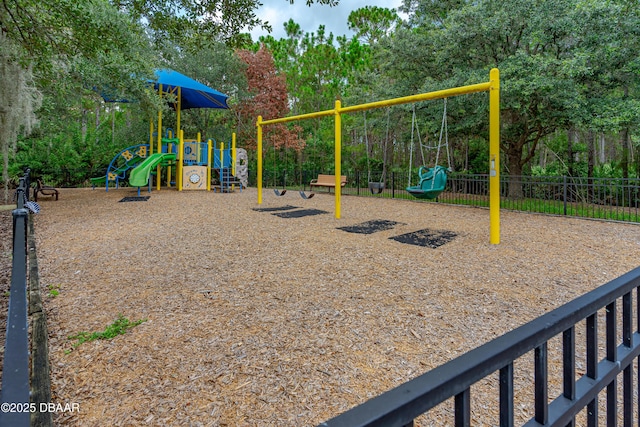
(19, 99)
(563, 63)
(607, 66)
(371, 23)
(267, 98)
(78, 44)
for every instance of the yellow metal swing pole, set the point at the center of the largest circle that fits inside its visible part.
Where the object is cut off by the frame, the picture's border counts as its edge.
(209, 148)
(259, 153)
(494, 156)
(338, 157)
(234, 159)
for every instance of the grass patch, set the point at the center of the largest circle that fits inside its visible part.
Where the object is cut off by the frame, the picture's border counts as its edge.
(119, 327)
(54, 290)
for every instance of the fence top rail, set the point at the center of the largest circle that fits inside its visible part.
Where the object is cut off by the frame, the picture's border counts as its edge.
(404, 403)
(439, 94)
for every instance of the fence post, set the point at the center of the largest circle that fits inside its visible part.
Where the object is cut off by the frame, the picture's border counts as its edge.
(564, 193)
(393, 185)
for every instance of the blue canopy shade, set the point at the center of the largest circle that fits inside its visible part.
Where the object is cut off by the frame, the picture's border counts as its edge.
(193, 93)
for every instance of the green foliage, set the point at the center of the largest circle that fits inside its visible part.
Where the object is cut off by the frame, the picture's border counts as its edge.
(565, 64)
(372, 23)
(54, 290)
(119, 327)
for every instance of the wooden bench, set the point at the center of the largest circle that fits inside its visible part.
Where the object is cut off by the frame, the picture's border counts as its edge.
(45, 190)
(328, 181)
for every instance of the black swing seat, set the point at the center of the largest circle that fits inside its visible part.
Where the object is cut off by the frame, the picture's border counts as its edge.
(280, 193)
(376, 187)
(305, 196)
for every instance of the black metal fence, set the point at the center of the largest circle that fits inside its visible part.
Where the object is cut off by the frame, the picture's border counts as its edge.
(616, 199)
(15, 397)
(583, 380)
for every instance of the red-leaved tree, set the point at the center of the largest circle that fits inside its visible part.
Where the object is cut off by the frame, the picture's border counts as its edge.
(269, 99)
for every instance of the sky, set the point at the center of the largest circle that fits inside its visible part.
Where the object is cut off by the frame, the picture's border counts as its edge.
(277, 12)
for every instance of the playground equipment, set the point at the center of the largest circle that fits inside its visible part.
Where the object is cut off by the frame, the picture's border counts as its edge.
(230, 164)
(199, 161)
(492, 86)
(193, 159)
(195, 162)
(139, 176)
(432, 180)
(126, 159)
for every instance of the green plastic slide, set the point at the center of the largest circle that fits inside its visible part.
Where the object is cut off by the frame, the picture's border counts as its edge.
(139, 176)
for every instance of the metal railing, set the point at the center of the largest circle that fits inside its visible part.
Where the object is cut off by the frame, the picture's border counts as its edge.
(581, 386)
(15, 394)
(616, 199)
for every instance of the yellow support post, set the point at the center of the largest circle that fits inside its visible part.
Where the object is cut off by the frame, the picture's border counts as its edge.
(178, 110)
(209, 148)
(233, 158)
(198, 149)
(180, 160)
(169, 167)
(259, 153)
(494, 156)
(338, 156)
(221, 159)
(159, 123)
(221, 166)
(151, 135)
(159, 140)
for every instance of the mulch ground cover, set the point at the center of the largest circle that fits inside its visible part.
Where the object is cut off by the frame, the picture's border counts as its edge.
(250, 319)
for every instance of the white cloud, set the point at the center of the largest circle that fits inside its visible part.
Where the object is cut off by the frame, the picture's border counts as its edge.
(277, 12)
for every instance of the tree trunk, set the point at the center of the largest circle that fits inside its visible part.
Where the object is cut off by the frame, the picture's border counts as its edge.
(84, 126)
(624, 142)
(514, 163)
(571, 138)
(591, 142)
(97, 123)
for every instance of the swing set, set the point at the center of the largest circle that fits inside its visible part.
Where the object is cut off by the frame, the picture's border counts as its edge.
(376, 187)
(432, 180)
(282, 192)
(492, 86)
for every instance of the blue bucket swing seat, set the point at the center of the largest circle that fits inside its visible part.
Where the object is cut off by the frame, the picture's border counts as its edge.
(432, 180)
(432, 183)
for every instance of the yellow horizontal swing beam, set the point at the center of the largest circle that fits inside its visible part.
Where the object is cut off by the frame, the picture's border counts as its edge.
(492, 86)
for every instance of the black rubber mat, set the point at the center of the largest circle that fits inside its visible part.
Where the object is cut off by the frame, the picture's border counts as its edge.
(370, 227)
(275, 209)
(300, 213)
(135, 199)
(428, 238)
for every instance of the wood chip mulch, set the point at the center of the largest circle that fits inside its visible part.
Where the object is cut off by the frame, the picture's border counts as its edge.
(6, 264)
(257, 320)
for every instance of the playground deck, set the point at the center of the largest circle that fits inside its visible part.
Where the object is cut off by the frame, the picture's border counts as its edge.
(255, 318)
